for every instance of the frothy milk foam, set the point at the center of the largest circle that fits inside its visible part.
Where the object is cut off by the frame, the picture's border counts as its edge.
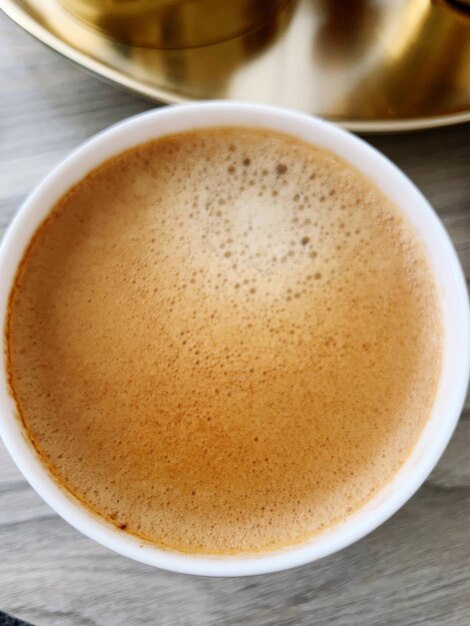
(224, 341)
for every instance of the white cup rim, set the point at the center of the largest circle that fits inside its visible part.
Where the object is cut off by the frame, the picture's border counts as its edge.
(454, 301)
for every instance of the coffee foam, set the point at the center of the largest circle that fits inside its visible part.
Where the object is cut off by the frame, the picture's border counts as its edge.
(224, 341)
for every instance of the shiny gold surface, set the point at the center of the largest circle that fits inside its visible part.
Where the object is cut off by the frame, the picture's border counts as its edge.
(174, 23)
(371, 65)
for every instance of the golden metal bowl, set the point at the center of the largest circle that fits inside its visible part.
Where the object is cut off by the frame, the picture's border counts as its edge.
(370, 65)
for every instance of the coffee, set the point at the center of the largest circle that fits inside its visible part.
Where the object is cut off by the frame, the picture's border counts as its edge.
(224, 341)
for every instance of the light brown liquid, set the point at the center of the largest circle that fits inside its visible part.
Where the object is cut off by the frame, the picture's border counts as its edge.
(224, 341)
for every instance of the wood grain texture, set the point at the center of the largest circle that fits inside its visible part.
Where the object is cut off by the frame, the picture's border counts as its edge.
(413, 570)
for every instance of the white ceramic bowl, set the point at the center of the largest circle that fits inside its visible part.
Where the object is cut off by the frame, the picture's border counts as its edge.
(448, 273)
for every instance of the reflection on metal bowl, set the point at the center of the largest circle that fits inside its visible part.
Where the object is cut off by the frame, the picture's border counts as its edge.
(174, 23)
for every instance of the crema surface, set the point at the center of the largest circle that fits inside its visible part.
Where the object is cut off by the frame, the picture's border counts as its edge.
(224, 341)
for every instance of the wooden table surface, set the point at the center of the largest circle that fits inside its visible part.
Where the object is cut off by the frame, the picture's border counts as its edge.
(415, 569)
